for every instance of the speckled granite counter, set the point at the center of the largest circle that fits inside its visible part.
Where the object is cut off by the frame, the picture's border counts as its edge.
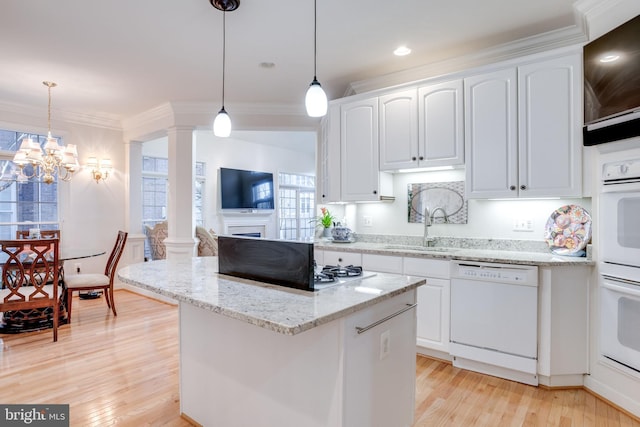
(506, 254)
(287, 311)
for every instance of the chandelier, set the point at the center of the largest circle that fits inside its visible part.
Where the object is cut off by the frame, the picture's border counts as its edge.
(53, 159)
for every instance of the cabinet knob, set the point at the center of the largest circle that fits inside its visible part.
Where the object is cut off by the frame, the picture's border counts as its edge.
(375, 192)
(512, 188)
(413, 158)
(339, 259)
(421, 157)
(523, 187)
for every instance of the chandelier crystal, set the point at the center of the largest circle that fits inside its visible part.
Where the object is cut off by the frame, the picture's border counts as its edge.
(48, 161)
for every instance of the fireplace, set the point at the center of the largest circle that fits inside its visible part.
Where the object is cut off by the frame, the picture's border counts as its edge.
(248, 230)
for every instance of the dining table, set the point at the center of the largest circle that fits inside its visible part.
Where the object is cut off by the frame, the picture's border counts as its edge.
(19, 321)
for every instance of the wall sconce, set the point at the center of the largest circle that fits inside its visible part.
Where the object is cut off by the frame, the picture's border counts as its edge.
(100, 170)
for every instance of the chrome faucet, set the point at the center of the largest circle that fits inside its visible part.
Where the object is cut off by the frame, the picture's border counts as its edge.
(444, 215)
(428, 241)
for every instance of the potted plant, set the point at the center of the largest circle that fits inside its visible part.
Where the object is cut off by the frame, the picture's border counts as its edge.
(326, 221)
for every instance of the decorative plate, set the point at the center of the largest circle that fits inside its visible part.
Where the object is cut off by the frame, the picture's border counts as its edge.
(568, 230)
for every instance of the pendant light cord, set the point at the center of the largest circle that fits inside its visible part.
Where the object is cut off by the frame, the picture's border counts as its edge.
(224, 50)
(49, 112)
(315, 38)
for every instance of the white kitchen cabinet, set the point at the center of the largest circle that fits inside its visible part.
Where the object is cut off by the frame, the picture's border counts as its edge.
(380, 363)
(342, 258)
(422, 127)
(550, 131)
(522, 130)
(361, 179)
(441, 124)
(382, 263)
(433, 305)
(399, 130)
(328, 158)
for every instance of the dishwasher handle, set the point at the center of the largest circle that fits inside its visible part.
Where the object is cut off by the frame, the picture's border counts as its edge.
(363, 329)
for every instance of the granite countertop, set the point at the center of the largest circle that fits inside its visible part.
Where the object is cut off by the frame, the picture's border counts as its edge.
(506, 252)
(288, 311)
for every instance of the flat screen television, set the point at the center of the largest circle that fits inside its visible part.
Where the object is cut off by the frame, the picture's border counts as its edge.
(612, 83)
(246, 190)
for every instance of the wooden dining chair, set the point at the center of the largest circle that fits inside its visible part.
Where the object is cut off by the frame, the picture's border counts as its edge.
(30, 278)
(96, 281)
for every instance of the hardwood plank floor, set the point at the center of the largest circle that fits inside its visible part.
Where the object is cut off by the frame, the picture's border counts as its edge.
(124, 370)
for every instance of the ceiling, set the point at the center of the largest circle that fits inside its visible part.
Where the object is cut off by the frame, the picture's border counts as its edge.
(119, 58)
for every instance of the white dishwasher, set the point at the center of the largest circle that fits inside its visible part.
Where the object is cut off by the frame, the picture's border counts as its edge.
(494, 319)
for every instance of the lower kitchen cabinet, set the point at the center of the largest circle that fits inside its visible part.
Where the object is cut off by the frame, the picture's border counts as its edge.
(433, 315)
(380, 364)
(382, 263)
(341, 258)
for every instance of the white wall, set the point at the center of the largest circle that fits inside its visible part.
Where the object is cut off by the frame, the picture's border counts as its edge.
(90, 213)
(267, 151)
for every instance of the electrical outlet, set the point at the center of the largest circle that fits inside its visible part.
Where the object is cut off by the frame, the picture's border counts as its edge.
(385, 344)
(523, 224)
(368, 221)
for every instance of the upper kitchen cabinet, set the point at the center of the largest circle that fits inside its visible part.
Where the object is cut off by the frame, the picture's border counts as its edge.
(399, 130)
(328, 157)
(441, 124)
(522, 130)
(360, 174)
(422, 127)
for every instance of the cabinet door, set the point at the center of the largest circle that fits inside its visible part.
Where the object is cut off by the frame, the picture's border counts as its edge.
(380, 364)
(549, 131)
(440, 124)
(359, 150)
(433, 315)
(433, 302)
(398, 130)
(491, 134)
(328, 159)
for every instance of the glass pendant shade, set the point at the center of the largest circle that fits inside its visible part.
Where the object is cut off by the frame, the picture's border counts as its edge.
(222, 124)
(315, 100)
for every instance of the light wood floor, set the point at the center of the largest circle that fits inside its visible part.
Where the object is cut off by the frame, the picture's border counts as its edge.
(124, 370)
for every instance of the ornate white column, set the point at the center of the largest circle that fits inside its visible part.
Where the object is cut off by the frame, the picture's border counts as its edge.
(180, 242)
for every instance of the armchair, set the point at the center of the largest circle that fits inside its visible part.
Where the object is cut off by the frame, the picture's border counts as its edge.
(207, 241)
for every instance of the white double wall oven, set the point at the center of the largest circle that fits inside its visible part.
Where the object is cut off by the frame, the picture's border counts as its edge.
(620, 263)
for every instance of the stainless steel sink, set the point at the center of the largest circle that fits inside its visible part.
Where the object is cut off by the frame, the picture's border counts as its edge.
(419, 248)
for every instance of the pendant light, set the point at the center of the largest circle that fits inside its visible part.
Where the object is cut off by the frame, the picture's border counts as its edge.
(316, 99)
(222, 122)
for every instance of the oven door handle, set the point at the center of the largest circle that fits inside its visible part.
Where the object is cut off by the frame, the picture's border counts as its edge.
(620, 289)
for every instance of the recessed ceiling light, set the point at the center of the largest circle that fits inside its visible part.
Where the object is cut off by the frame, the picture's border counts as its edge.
(402, 51)
(267, 65)
(609, 58)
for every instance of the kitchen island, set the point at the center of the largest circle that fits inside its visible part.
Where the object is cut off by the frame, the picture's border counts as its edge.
(263, 355)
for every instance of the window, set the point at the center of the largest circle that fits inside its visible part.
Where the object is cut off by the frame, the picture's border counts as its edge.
(296, 206)
(155, 171)
(32, 204)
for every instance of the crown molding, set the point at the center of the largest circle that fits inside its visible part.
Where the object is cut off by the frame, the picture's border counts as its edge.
(111, 122)
(551, 40)
(154, 122)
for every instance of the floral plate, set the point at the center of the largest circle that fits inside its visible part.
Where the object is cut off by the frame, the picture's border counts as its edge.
(568, 230)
